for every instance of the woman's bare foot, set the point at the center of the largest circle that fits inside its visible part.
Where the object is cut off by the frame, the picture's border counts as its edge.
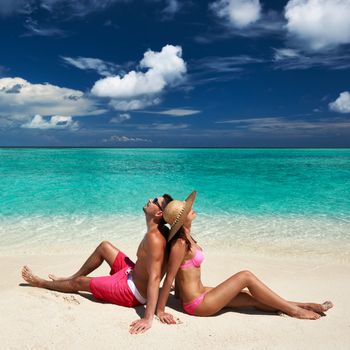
(29, 277)
(56, 278)
(327, 305)
(304, 314)
(319, 308)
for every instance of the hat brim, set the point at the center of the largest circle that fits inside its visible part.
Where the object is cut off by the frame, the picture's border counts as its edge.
(188, 206)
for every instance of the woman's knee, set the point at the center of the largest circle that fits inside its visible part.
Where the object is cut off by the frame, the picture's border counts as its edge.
(246, 275)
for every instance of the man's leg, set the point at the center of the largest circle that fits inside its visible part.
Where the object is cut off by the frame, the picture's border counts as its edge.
(74, 285)
(104, 252)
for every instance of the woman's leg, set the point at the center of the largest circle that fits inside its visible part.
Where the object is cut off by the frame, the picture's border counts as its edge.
(104, 252)
(221, 296)
(245, 299)
(73, 285)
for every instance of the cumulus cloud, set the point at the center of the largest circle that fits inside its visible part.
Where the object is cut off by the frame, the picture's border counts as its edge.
(342, 103)
(117, 138)
(120, 118)
(240, 13)
(55, 122)
(20, 100)
(138, 88)
(319, 24)
(103, 68)
(164, 68)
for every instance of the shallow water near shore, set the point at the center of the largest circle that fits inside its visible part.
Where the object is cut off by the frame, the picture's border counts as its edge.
(286, 201)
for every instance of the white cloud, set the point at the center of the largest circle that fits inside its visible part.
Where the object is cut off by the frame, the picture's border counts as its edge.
(9, 7)
(134, 104)
(163, 126)
(287, 59)
(172, 7)
(103, 68)
(319, 24)
(342, 103)
(286, 126)
(78, 8)
(285, 53)
(33, 29)
(117, 138)
(224, 64)
(240, 13)
(120, 118)
(19, 100)
(177, 112)
(55, 122)
(138, 89)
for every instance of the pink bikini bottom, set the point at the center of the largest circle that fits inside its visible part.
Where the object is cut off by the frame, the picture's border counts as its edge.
(190, 307)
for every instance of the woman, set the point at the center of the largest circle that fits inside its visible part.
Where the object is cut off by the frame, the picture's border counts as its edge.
(184, 262)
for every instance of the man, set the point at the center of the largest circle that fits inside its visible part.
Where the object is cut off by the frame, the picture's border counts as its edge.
(129, 284)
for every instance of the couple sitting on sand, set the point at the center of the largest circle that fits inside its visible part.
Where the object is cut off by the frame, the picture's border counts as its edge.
(170, 248)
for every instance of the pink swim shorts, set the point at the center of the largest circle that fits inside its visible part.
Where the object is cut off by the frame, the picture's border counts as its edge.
(114, 288)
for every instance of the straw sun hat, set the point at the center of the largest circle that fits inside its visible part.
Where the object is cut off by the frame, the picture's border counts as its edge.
(175, 213)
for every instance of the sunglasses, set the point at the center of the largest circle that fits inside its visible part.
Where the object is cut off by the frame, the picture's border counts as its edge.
(155, 201)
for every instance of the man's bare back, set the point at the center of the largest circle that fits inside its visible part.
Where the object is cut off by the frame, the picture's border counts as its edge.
(140, 273)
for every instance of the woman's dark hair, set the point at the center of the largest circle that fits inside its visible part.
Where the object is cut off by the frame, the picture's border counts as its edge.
(180, 234)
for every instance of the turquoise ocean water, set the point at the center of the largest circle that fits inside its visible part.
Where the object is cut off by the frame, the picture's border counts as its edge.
(258, 198)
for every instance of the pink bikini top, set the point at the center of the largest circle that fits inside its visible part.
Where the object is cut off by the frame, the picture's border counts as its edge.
(196, 261)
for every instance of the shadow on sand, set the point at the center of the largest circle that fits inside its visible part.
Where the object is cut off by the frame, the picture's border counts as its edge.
(173, 303)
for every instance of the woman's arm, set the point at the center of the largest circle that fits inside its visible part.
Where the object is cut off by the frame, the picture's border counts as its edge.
(177, 254)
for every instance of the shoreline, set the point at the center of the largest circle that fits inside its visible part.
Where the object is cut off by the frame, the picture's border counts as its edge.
(298, 237)
(308, 251)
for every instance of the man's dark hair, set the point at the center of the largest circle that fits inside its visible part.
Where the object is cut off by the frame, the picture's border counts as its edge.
(162, 228)
(167, 198)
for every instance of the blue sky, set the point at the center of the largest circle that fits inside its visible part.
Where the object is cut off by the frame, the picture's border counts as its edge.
(163, 73)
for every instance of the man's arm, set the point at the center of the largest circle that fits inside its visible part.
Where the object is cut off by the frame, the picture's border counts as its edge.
(177, 254)
(154, 268)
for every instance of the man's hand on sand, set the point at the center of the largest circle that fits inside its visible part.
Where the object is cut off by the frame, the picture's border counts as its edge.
(140, 326)
(164, 317)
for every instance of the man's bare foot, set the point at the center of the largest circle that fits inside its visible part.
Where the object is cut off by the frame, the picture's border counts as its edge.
(305, 314)
(56, 278)
(29, 277)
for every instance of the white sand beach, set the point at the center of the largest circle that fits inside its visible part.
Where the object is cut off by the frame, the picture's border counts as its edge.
(33, 318)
